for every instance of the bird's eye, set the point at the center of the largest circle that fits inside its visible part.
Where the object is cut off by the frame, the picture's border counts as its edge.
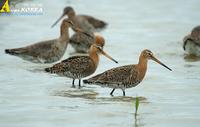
(70, 22)
(99, 47)
(150, 54)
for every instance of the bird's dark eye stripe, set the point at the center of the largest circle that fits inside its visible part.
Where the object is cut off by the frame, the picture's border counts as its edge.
(99, 47)
(149, 52)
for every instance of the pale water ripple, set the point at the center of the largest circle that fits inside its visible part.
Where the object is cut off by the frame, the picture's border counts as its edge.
(29, 97)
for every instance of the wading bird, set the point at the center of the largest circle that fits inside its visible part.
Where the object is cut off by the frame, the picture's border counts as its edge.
(78, 67)
(125, 76)
(46, 51)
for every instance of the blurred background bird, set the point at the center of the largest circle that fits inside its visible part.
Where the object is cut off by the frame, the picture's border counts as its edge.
(46, 51)
(85, 22)
(191, 42)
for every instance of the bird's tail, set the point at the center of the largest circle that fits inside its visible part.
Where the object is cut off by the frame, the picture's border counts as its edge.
(55, 68)
(49, 69)
(100, 24)
(91, 80)
(16, 51)
(87, 81)
(10, 51)
(97, 23)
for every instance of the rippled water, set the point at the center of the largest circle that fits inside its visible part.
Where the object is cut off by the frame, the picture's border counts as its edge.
(29, 97)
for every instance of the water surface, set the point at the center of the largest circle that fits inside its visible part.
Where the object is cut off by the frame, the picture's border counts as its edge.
(30, 98)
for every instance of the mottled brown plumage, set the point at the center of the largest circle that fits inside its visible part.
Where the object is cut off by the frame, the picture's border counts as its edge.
(125, 76)
(46, 51)
(78, 67)
(191, 42)
(85, 22)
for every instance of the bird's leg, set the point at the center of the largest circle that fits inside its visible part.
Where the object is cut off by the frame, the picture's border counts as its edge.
(73, 86)
(111, 93)
(123, 89)
(79, 83)
(123, 92)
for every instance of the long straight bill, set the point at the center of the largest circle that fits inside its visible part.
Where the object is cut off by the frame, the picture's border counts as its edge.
(156, 60)
(108, 56)
(57, 20)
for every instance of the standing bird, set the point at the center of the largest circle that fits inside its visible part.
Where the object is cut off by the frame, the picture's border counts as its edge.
(191, 42)
(78, 67)
(85, 22)
(46, 51)
(125, 76)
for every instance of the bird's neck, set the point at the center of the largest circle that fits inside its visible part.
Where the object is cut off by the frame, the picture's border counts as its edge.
(95, 57)
(142, 67)
(64, 33)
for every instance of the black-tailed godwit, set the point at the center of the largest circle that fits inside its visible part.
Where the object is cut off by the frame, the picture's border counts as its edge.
(84, 22)
(78, 67)
(125, 76)
(46, 51)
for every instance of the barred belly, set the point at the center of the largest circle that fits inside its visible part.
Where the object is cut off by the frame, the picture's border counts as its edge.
(73, 75)
(130, 85)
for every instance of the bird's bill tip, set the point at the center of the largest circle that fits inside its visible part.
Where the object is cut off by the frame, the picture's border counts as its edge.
(108, 56)
(156, 60)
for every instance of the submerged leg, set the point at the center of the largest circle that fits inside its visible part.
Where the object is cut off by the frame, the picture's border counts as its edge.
(79, 83)
(123, 92)
(73, 86)
(111, 93)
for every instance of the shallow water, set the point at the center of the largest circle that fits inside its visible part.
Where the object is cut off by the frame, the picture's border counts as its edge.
(29, 97)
